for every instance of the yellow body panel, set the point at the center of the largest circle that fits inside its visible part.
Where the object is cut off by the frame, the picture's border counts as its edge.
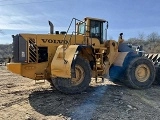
(29, 70)
(14, 67)
(112, 53)
(51, 41)
(54, 39)
(60, 68)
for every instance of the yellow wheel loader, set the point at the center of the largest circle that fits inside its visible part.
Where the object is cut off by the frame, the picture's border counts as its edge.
(69, 61)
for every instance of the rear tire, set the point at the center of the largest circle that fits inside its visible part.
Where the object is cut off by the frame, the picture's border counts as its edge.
(140, 73)
(78, 84)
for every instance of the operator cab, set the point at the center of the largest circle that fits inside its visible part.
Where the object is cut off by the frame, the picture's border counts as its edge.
(92, 27)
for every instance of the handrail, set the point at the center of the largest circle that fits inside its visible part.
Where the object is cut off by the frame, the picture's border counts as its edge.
(70, 26)
(70, 37)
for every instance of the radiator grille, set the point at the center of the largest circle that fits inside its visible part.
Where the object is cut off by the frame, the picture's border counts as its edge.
(33, 51)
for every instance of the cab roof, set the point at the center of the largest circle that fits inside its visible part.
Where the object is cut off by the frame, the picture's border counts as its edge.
(95, 19)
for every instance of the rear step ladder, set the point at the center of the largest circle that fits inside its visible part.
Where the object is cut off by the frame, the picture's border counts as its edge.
(99, 64)
(39, 76)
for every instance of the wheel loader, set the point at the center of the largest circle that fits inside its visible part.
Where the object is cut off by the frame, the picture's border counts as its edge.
(69, 61)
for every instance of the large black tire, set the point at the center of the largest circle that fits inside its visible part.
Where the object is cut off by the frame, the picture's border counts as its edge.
(157, 80)
(67, 86)
(140, 73)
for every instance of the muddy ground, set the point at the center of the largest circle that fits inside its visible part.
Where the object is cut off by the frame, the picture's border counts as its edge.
(22, 99)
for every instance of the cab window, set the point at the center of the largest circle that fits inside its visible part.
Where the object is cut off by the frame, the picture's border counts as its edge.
(96, 30)
(82, 28)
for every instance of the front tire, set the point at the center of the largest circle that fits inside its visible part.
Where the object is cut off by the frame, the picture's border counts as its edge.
(140, 73)
(77, 84)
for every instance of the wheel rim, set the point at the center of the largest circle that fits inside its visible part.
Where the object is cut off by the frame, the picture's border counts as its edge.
(79, 76)
(142, 73)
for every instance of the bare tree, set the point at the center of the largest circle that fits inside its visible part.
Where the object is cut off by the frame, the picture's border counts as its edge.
(141, 36)
(153, 37)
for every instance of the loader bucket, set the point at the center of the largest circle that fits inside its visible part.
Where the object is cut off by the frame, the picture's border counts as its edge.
(125, 56)
(117, 71)
(134, 70)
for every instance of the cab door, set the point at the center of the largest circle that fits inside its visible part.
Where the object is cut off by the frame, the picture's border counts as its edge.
(96, 30)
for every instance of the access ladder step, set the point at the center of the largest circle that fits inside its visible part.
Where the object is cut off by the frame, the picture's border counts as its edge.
(99, 70)
(99, 53)
(39, 81)
(40, 75)
(99, 81)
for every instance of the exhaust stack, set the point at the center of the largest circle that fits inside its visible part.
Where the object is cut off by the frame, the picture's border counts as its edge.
(51, 27)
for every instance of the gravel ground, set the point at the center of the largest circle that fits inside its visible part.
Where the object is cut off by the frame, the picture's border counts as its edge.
(22, 99)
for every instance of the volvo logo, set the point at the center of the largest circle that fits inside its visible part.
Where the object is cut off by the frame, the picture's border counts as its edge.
(55, 41)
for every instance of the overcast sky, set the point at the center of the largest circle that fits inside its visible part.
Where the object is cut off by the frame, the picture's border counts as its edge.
(132, 17)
